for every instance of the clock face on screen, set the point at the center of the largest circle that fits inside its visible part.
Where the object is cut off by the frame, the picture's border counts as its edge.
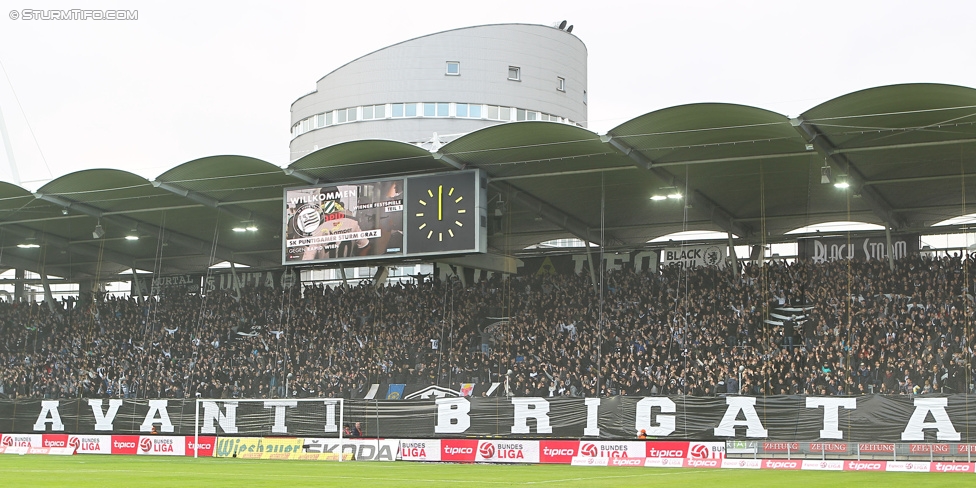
(441, 213)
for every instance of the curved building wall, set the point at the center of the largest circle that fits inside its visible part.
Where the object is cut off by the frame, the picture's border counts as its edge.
(410, 90)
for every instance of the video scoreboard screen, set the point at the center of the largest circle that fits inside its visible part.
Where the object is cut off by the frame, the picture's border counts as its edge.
(437, 214)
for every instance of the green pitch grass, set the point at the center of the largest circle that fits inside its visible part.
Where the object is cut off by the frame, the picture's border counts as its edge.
(146, 472)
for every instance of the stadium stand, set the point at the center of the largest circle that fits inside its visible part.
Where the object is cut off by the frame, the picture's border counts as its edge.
(835, 328)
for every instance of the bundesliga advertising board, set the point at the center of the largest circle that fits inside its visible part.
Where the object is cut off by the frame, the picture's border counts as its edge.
(349, 221)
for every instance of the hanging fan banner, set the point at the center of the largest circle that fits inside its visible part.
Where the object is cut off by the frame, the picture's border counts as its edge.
(694, 256)
(780, 419)
(150, 285)
(277, 279)
(863, 248)
(577, 263)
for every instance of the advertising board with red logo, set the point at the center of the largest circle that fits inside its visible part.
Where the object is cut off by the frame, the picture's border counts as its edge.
(90, 444)
(21, 440)
(125, 444)
(54, 440)
(161, 445)
(780, 446)
(943, 467)
(741, 463)
(508, 452)
(706, 450)
(626, 461)
(612, 449)
(911, 466)
(420, 449)
(823, 465)
(702, 463)
(589, 461)
(458, 450)
(927, 448)
(663, 463)
(872, 465)
(872, 447)
(665, 449)
(206, 445)
(558, 452)
(780, 464)
(828, 447)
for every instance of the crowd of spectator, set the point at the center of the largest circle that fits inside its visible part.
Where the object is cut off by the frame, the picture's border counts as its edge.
(833, 328)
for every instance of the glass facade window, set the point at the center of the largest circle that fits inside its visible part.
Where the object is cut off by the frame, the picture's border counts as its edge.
(425, 109)
(584, 97)
(453, 68)
(514, 73)
(561, 83)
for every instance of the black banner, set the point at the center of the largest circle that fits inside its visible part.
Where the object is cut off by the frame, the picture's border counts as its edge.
(862, 248)
(216, 280)
(579, 263)
(873, 418)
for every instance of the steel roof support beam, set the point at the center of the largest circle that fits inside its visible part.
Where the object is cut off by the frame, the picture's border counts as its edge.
(32, 265)
(62, 243)
(307, 178)
(565, 221)
(822, 144)
(905, 146)
(182, 240)
(211, 202)
(698, 201)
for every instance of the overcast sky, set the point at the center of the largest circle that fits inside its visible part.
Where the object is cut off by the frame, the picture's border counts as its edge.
(191, 79)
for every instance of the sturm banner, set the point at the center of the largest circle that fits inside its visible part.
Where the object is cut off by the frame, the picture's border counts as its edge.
(784, 418)
(861, 248)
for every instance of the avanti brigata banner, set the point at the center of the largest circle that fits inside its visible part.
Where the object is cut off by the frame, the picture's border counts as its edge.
(872, 418)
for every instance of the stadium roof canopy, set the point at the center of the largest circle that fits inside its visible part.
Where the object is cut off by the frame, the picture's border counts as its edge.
(907, 151)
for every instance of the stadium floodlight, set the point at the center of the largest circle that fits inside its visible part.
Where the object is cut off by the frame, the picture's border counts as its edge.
(825, 175)
(99, 232)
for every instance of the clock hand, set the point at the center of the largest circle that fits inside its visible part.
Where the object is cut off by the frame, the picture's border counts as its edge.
(440, 202)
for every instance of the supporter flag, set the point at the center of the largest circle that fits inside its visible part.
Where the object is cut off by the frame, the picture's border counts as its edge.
(395, 391)
(467, 389)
